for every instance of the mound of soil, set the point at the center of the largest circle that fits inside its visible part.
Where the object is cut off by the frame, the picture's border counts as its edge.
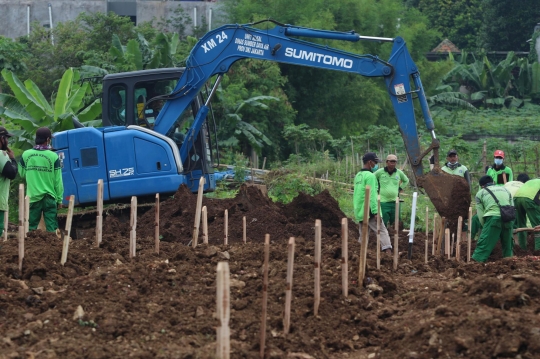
(162, 305)
(263, 216)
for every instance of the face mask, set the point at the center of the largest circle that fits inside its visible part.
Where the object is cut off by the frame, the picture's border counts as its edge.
(498, 161)
(375, 168)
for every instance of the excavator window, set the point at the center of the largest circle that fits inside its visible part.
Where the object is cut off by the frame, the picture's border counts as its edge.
(148, 103)
(117, 105)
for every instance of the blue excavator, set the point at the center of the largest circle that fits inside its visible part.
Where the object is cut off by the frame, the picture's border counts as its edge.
(158, 125)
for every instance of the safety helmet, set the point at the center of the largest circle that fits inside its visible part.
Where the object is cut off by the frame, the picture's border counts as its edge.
(498, 153)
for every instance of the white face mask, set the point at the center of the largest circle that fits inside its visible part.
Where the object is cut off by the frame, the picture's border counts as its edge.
(498, 161)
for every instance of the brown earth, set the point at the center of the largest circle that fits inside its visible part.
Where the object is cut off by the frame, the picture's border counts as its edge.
(162, 305)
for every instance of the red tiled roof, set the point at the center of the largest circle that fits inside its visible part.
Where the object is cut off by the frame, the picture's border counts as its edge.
(446, 46)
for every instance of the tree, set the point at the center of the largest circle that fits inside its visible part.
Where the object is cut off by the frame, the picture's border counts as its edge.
(457, 20)
(28, 109)
(507, 24)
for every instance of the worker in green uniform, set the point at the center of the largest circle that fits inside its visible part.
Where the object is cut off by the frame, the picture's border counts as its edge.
(8, 168)
(489, 214)
(453, 167)
(512, 187)
(391, 181)
(364, 178)
(41, 168)
(528, 206)
(498, 171)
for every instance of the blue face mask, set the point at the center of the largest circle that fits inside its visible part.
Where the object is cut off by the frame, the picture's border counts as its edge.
(498, 161)
(375, 168)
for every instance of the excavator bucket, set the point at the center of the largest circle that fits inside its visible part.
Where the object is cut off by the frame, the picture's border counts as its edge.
(450, 194)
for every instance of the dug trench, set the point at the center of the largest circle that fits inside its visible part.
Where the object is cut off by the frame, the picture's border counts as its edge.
(162, 305)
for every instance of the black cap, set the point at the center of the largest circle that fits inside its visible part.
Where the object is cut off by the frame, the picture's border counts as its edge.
(370, 156)
(451, 152)
(485, 180)
(42, 134)
(4, 132)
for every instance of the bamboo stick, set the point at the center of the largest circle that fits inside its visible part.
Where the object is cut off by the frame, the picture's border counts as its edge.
(244, 229)
(458, 238)
(365, 238)
(195, 239)
(265, 293)
(427, 234)
(396, 235)
(264, 163)
(469, 236)
(379, 232)
(223, 347)
(288, 290)
(205, 225)
(65, 247)
(156, 224)
(441, 235)
(434, 234)
(99, 217)
(21, 226)
(133, 226)
(447, 242)
(6, 223)
(226, 227)
(345, 257)
(317, 269)
(452, 242)
(26, 215)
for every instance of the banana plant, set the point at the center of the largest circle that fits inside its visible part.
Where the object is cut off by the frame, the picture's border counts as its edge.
(28, 109)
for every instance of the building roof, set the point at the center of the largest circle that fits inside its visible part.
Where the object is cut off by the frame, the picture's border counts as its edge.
(446, 46)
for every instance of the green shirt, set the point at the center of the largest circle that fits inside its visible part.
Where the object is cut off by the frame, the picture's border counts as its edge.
(497, 175)
(4, 184)
(43, 174)
(486, 205)
(364, 178)
(390, 183)
(529, 189)
(513, 187)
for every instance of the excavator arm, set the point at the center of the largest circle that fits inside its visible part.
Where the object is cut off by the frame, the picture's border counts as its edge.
(215, 53)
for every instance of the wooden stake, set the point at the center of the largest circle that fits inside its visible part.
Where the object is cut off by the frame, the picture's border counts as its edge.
(504, 177)
(21, 226)
(345, 257)
(226, 227)
(99, 217)
(365, 237)
(133, 226)
(264, 163)
(469, 236)
(288, 290)
(434, 234)
(6, 223)
(265, 293)
(195, 239)
(317, 270)
(223, 305)
(458, 238)
(26, 215)
(67, 232)
(244, 229)
(441, 236)
(447, 242)
(427, 234)
(379, 232)
(396, 235)
(205, 225)
(156, 224)
(452, 241)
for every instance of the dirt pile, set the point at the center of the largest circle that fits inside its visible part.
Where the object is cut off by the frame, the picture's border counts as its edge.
(296, 219)
(162, 305)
